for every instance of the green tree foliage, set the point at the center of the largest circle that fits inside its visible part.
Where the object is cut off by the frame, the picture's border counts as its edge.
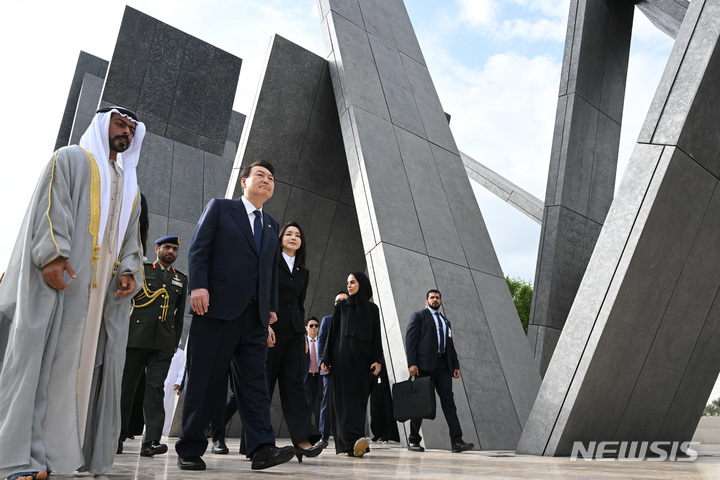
(712, 409)
(521, 291)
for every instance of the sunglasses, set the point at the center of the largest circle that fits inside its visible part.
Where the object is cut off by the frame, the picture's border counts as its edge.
(313, 325)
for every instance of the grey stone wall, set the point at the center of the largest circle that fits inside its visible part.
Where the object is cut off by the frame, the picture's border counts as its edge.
(583, 161)
(638, 356)
(419, 221)
(88, 66)
(181, 87)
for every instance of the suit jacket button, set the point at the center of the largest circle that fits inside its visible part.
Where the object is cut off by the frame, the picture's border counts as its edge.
(159, 318)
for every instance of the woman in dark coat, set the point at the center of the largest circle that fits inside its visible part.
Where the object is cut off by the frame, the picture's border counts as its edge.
(353, 354)
(286, 357)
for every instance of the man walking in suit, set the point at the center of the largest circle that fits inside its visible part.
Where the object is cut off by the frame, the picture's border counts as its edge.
(233, 265)
(431, 352)
(312, 380)
(156, 325)
(324, 424)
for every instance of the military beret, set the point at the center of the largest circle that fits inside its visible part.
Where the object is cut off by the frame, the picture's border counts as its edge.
(168, 239)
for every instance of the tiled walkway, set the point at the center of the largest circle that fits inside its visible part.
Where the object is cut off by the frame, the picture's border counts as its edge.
(393, 461)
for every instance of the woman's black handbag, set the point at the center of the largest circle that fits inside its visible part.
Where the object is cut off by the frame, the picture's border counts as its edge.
(414, 399)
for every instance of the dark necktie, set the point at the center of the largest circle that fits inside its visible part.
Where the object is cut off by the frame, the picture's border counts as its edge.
(257, 229)
(441, 333)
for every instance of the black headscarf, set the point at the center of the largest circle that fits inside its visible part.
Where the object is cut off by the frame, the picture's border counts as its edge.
(359, 320)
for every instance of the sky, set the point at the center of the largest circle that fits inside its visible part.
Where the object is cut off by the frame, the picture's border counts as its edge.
(496, 66)
(495, 63)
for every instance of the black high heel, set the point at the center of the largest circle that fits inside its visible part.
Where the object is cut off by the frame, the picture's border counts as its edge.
(311, 452)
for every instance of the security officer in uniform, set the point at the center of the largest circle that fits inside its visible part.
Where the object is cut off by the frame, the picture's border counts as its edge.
(156, 325)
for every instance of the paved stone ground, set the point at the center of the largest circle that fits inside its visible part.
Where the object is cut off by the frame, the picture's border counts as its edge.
(393, 461)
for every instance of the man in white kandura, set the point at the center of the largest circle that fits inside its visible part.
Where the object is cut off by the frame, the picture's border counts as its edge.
(65, 305)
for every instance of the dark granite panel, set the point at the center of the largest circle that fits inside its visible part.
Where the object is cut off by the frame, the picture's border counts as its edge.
(214, 147)
(359, 79)
(509, 340)
(350, 9)
(86, 64)
(346, 194)
(181, 135)
(377, 21)
(87, 104)
(163, 70)
(187, 107)
(283, 108)
(215, 177)
(277, 205)
(387, 184)
(186, 191)
(237, 122)
(604, 168)
(157, 228)
(322, 166)
(314, 213)
(403, 32)
(617, 53)
(437, 225)
(185, 231)
(479, 252)
(153, 125)
(154, 172)
(557, 160)
(579, 139)
(389, 64)
(129, 62)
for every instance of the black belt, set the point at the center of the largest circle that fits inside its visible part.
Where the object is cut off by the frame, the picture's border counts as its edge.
(313, 374)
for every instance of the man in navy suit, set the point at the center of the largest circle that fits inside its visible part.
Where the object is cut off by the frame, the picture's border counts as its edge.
(431, 353)
(233, 268)
(324, 423)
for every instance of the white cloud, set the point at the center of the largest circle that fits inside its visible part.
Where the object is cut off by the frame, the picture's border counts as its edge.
(543, 29)
(502, 112)
(478, 13)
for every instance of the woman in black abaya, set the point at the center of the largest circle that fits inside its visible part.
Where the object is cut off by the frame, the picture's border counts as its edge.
(353, 355)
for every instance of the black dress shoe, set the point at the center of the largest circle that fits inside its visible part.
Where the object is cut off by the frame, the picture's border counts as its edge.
(311, 452)
(270, 455)
(462, 447)
(220, 448)
(321, 443)
(191, 463)
(415, 447)
(149, 449)
(120, 447)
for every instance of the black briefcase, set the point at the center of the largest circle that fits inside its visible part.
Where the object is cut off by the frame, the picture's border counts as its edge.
(414, 399)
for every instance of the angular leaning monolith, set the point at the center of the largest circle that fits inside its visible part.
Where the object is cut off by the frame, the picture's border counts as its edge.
(583, 161)
(638, 356)
(420, 223)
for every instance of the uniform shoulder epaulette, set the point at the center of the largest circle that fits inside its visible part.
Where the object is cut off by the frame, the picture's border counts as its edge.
(179, 272)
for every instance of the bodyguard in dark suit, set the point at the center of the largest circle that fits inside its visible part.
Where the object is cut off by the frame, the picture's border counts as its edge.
(156, 325)
(233, 265)
(431, 352)
(313, 383)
